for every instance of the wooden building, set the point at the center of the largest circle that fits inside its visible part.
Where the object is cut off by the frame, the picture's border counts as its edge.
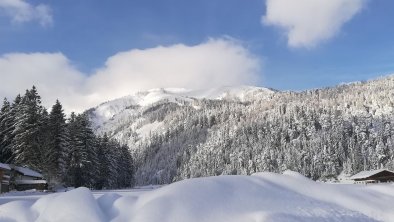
(373, 176)
(27, 179)
(20, 178)
(5, 175)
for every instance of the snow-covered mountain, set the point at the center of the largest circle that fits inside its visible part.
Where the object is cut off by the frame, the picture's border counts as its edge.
(178, 133)
(126, 114)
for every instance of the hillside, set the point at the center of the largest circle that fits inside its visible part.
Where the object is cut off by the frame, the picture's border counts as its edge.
(129, 114)
(177, 133)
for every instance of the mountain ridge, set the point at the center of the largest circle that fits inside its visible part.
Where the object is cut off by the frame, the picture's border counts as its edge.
(109, 109)
(318, 132)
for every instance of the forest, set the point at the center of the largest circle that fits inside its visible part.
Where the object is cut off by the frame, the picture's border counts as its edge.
(64, 149)
(320, 133)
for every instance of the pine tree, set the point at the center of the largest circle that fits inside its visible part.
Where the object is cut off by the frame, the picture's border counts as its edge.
(103, 163)
(26, 147)
(8, 126)
(5, 153)
(57, 147)
(44, 144)
(73, 176)
(86, 143)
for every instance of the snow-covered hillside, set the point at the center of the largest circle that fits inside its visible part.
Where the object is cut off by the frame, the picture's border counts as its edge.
(261, 197)
(176, 134)
(125, 115)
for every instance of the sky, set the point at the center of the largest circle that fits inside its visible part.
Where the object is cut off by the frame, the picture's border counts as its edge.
(87, 52)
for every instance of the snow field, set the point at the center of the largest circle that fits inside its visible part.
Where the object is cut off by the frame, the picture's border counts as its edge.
(258, 198)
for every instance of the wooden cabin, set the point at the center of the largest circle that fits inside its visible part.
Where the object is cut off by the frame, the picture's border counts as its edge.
(20, 178)
(373, 176)
(5, 175)
(27, 179)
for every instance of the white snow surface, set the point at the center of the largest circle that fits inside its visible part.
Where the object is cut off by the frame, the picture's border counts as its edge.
(145, 130)
(257, 198)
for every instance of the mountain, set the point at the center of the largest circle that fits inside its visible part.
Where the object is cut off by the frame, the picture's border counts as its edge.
(178, 133)
(128, 114)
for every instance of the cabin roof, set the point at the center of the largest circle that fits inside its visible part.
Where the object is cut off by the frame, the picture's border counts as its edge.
(20, 182)
(28, 172)
(5, 166)
(368, 173)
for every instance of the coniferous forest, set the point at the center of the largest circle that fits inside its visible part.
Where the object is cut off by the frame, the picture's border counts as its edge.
(65, 150)
(319, 133)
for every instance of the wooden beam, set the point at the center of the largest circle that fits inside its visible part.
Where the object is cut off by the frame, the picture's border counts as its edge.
(1, 180)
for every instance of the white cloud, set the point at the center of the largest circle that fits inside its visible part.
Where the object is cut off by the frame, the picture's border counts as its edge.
(20, 11)
(51, 73)
(213, 63)
(309, 22)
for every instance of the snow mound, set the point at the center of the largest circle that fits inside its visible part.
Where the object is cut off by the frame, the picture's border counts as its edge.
(295, 175)
(257, 198)
(77, 205)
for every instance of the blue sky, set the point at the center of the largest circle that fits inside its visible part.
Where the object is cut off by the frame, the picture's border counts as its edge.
(89, 32)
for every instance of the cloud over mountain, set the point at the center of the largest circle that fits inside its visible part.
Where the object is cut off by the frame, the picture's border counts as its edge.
(212, 63)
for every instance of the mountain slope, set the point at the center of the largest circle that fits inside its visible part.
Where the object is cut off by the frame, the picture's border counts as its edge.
(129, 113)
(177, 133)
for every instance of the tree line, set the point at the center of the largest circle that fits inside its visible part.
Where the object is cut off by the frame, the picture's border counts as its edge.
(320, 133)
(65, 150)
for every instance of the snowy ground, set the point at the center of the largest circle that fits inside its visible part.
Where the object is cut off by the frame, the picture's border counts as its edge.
(35, 195)
(257, 198)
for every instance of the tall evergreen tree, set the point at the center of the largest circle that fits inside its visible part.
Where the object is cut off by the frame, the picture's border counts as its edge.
(26, 146)
(102, 152)
(5, 153)
(57, 147)
(73, 175)
(126, 171)
(82, 158)
(8, 126)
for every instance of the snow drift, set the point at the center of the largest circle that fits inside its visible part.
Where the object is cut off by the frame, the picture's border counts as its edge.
(257, 198)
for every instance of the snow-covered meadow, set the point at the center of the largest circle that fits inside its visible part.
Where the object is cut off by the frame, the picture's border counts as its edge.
(257, 198)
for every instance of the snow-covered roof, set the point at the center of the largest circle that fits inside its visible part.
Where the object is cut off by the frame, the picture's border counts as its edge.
(28, 172)
(5, 166)
(31, 182)
(368, 173)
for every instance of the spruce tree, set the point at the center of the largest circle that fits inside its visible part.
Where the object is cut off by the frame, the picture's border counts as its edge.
(8, 126)
(5, 153)
(102, 152)
(126, 171)
(57, 147)
(26, 146)
(73, 176)
(85, 152)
